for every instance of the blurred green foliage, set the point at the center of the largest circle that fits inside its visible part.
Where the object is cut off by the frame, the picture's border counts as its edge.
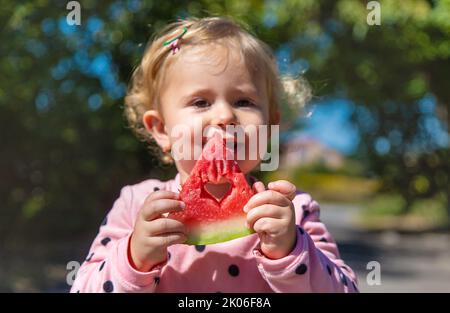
(388, 212)
(66, 150)
(346, 184)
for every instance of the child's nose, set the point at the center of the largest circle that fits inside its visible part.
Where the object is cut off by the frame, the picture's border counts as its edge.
(223, 115)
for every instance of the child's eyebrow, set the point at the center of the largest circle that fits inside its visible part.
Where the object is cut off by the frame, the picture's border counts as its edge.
(247, 89)
(206, 92)
(202, 92)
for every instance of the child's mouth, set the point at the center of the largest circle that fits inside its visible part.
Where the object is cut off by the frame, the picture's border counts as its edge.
(232, 143)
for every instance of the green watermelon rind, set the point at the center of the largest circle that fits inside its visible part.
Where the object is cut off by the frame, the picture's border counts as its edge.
(222, 233)
(217, 238)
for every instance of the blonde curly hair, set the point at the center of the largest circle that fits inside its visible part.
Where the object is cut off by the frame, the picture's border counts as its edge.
(287, 94)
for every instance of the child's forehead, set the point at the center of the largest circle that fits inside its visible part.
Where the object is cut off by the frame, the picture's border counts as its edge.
(212, 59)
(213, 54)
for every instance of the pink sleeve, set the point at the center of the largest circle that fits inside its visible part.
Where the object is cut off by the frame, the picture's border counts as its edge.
(107, 268)
(314, 265)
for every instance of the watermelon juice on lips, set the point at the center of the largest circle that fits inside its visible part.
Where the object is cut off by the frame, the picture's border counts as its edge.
(235, 139)
(207, 219)
(234, 136)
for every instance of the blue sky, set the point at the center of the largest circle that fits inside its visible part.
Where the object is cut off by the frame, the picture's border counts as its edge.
(329, 123)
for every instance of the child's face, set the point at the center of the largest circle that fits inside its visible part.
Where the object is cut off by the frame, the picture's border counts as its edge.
(208, 86)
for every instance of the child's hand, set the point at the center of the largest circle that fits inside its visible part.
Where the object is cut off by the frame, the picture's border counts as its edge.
(271, 214)
(153, 233)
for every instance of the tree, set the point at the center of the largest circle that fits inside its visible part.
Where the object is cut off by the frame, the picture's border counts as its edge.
(66, 150)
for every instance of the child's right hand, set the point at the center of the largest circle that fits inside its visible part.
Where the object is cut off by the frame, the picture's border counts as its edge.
(153, 232)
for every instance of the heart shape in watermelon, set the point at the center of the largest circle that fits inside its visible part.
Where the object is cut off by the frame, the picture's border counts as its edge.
(209, 220)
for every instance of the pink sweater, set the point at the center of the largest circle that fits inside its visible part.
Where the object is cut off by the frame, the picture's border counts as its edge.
(238, 266)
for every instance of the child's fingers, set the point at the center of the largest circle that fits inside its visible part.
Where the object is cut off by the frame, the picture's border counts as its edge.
(267, 225)
(284, 187)
(169, 239)
(161, 194)
(163, 226)
(267, 210)
(266, 197)
(258, 187)
(156, 208)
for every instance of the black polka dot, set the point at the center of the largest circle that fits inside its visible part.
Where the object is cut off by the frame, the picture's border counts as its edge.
(305, 213)
(105, 220)
(304, 206)
(101, 266)
(105, 241)
(108, 286)
(156, 189)
(89, 258)
(78, 291)
(168, 255)
(157, 280)
(301, 269)
(200, 248)
(233, 270)
(329, 270)
(301, 230)
(323, 239)
(343, 279)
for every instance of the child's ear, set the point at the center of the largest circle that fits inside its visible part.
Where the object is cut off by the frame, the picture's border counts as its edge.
(154, 124)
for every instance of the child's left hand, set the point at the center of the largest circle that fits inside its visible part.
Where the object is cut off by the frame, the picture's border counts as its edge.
(271, 214)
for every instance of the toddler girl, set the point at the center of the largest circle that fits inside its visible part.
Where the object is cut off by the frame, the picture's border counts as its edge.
(210, 73)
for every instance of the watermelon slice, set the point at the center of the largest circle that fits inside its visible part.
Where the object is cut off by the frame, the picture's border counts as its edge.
(207, 219)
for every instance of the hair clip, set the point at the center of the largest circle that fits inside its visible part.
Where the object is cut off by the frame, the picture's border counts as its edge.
(175, 42)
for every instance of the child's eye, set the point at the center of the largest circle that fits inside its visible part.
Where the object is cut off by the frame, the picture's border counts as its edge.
(244, 103)
(200, 103)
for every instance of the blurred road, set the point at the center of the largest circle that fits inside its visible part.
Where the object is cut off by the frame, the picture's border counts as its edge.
(409, 263)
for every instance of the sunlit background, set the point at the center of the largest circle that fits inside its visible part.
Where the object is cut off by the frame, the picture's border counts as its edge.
(372, 146)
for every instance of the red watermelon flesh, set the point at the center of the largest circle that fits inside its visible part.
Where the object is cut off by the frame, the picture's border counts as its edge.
(207, 219)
